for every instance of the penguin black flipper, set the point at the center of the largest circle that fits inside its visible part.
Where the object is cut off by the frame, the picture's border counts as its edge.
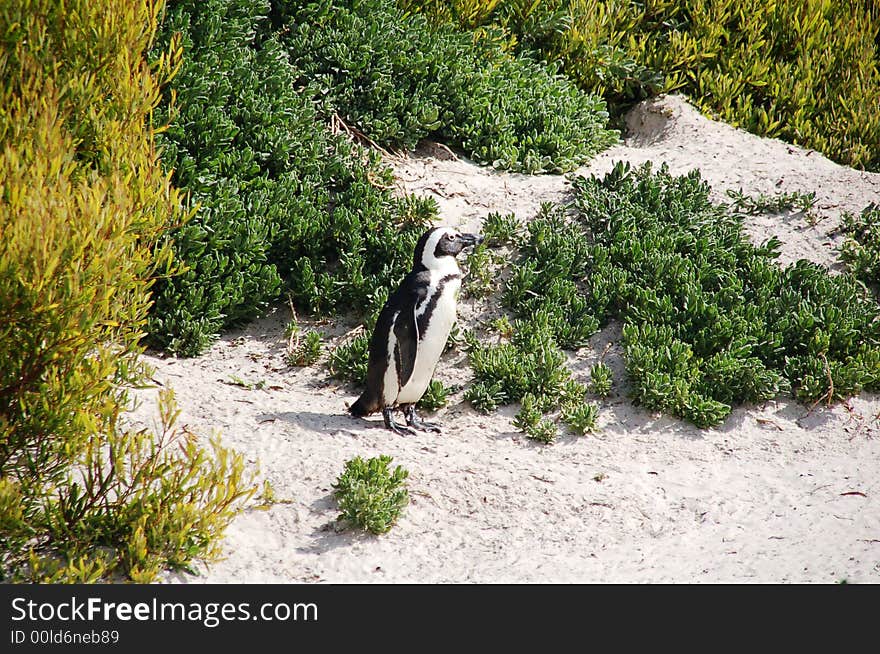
(412, 293)
(406, 335)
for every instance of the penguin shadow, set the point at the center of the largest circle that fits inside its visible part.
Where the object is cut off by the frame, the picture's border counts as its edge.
(332, 534)
(323, 422)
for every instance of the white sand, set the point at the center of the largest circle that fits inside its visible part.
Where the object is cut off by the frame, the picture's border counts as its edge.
(779, 493)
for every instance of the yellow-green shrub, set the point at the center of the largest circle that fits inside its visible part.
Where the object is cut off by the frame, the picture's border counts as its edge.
(806, 71)
(83, 203)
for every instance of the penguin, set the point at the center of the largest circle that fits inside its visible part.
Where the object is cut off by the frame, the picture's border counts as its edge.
(412, 329)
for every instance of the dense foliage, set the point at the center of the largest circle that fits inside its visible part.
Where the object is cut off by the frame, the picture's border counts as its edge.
(400, 80)
(436, 396)
(348, 361)
(807, 71)
(589, 39)
(709, 319)
(83, 209)
(280, 201)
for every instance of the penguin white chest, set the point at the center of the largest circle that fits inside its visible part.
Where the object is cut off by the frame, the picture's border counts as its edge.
(435, 316)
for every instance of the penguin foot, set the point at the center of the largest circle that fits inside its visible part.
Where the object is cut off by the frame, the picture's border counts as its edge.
(393, 426)
(414, 421)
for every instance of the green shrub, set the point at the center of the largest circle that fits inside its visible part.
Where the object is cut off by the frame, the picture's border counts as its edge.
(709, 319)
(861, 250)
(601, 379)
(279, 200)
(581, 418)
(436, 396)
(590, 38)
(806, 71)
(529, 414)
(777, 203)
(303, 351)
(469, 14)
(84, 206)
(501, 229)
(531, 363)
(370, 495)
(502, 326)
(530, 421)
(400, 80)
(349, 360)
(485, 396)
(594, 42)
(530, 368)
(552, 281)
(481, 268)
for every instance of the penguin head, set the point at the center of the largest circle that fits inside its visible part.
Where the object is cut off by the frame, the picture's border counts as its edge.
(438, 247)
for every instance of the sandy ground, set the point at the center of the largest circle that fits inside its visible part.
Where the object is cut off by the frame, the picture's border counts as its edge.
(779, 493)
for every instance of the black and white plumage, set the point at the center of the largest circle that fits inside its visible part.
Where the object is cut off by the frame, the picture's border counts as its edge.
(412, 329)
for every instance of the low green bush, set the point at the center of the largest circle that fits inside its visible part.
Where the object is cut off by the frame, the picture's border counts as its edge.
(529, 369)
(480, 269)
(531, 363)
(581, 418)
(861, 250)
(436, 396)
(754, 205)
(590, 39)
(371, 495)
(501, 229)
(601, 379)
(84, 208)
(400, 80)
(279, 201)
(548, 282)
(531, 421)
(486, 396)
(806, 71)
(710, 320)
(348, 360)
(303, 350)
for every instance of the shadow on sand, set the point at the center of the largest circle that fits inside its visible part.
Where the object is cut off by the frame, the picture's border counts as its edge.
(332, 534)
(323, 422)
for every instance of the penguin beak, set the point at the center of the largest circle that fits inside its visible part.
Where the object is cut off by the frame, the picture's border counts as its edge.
(471, 239)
